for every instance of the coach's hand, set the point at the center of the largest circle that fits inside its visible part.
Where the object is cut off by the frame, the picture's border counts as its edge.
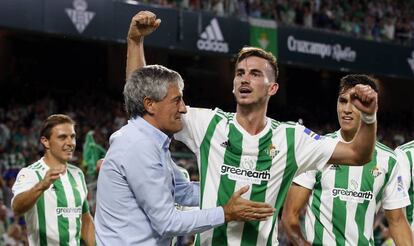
(142, 24)
(365, 99)
(51, 176)
(240, 209)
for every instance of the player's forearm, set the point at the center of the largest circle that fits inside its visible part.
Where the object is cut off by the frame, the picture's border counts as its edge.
(26, 200)
(401, 233)
(399, 228)
(135, 55)
(364, 143)
(294, 233)
(88, 230)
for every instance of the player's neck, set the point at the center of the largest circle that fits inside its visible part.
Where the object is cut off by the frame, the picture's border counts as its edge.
(53, 162)
(347, 136)
(252, 121)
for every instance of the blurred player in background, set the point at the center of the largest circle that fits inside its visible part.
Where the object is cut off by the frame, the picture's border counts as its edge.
(341, 201)
(405, 155)
(246, 147)
(52, 193)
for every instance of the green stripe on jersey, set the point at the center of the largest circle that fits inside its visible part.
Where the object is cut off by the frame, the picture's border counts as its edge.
(339, 206)
(258, 192)
(385, 148)
(288, 174)
(78, 203)
(204, 152)
(41, 217)
(367, 184)
(37, 165)
(409, 209)
(408, 145)
(332, 135)
(63, 223)
(232, 157)
(316, 209)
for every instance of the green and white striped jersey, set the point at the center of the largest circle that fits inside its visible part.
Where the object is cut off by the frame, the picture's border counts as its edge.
(405, 155)
(345, 199)
(56, 218)
(230, 158)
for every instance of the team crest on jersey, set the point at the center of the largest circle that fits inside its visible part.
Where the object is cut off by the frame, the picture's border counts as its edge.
(375, 172)
(21, 178)
(272, 151)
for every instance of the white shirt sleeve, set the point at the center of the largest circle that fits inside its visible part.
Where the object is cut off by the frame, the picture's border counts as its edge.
(196, 122)
(306, 179)
(311, 150)
(404, 167)
(395, 192)
(25, 180)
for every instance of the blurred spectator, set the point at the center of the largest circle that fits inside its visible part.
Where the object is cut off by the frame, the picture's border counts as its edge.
(92, 153)
(13, 237)
(369, 19)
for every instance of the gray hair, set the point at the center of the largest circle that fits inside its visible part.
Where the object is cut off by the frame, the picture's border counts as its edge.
(150, 81)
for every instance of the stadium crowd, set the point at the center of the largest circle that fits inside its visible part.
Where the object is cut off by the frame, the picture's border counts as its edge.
(382, 20)
(19, 142)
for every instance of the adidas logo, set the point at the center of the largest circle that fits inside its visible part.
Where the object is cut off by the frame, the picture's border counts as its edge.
(212, 39)
(334, 167)
(225, 144)
(410, 61)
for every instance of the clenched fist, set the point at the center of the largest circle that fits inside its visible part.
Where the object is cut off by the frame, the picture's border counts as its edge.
(142, 24)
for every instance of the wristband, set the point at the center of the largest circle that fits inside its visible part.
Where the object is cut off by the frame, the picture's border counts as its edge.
(369, 118)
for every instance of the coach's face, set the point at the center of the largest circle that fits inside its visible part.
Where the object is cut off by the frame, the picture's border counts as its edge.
(167, 112)
(349, 116)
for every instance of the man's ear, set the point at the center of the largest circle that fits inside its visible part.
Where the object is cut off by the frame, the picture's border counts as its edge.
(45, 142)
(273, 88)
(149, 105)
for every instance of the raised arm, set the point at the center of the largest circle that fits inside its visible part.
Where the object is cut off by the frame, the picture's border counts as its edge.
(295, 202)
(142, 24)
(359, 150)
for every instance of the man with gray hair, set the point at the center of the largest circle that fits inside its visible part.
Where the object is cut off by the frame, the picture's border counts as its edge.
(139, 183)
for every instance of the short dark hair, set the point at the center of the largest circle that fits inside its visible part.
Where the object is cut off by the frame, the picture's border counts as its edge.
(52, 121)
(254, 51)
(352, 80)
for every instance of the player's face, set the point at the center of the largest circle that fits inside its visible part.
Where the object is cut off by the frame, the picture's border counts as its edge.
(167, 112)
(253, 81)
(62, 142)
(349, 116)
